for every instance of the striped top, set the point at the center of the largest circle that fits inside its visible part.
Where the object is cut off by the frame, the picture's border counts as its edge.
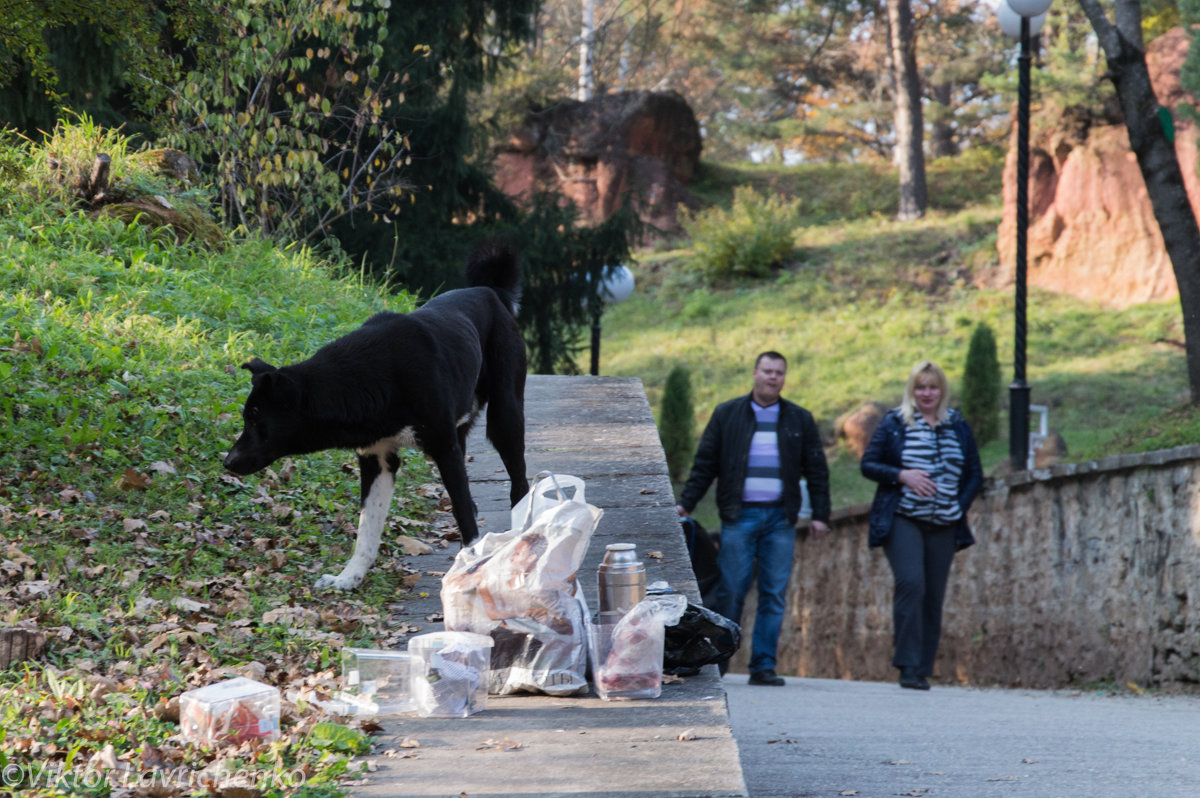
(937, 452)
(764, 482)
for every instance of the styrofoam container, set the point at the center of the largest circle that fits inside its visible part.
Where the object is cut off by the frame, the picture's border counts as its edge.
(451, 673)
(235, 710)
(377, 681)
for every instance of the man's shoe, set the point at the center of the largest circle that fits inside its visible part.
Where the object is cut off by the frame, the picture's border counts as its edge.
(910, 680)
(767, 677)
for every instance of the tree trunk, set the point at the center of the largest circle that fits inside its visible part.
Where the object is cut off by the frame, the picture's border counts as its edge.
(587, 80)
(941, 128)
(908, 121)
(1126, 58)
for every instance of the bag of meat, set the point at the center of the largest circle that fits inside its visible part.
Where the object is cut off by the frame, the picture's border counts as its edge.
(519, 587)
(627, 657)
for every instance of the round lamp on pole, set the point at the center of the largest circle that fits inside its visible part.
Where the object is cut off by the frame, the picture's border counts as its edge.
(1021, 18)
(616, 285)
(1010, 20)
(1028, 8)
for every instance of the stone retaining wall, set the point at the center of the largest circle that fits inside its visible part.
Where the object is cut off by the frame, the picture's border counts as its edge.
(1082, 571)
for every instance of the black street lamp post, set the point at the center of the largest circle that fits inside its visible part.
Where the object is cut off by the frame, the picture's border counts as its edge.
(1029, 13)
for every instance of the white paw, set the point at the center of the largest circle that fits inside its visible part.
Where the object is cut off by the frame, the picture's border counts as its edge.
(339, 582)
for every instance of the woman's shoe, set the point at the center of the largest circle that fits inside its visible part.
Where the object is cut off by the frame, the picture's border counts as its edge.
(910, 680)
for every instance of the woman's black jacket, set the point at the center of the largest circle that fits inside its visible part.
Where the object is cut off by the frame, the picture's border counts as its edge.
(881, 463)
(725, 449)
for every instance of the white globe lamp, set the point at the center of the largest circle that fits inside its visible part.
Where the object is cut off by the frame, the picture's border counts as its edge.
(1010, 20)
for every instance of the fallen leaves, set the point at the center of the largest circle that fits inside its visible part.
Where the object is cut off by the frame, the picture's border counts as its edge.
(499, 745)
(132, 480)
(412, 546)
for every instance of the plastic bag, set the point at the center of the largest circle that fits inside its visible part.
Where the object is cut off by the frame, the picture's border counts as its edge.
(519, 587)
(700, 637)
(627, 657)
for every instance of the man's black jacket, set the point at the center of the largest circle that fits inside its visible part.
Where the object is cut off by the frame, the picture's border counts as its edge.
(725, 449)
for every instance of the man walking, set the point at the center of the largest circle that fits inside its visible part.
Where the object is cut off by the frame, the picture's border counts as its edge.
(757, 448)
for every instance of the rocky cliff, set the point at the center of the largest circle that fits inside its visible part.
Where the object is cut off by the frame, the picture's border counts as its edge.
(640, 145)
(1092, 232)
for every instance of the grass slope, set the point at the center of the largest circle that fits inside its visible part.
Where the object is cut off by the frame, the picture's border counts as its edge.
(149, 569)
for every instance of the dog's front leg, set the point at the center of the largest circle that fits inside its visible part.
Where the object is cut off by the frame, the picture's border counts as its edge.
(378, 471)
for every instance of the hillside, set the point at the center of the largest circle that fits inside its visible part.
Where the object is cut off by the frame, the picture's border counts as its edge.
(866, 297)
(141, 567)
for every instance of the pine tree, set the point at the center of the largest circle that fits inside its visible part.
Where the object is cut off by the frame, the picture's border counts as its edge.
(981, 385)
(676, 420)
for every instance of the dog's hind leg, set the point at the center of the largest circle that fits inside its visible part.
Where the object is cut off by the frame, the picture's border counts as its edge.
(378, 471)
(506, 431)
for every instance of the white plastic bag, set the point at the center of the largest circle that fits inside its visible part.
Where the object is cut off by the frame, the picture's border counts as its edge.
(519, 587)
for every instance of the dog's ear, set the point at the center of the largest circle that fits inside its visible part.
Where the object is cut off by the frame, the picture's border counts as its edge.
(258, 366)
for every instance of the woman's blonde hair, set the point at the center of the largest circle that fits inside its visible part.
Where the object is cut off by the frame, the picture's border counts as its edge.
(908, 407)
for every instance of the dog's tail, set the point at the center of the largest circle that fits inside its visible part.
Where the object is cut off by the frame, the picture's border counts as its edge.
(495, 266)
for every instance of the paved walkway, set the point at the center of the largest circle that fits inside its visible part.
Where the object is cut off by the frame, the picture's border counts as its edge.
(601, 430)
(822, 737)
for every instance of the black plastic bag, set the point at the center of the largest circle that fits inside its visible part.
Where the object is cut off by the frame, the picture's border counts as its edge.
(702, 637)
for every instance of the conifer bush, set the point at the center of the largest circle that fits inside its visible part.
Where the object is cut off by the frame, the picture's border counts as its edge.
(675, 422)
(981, 385)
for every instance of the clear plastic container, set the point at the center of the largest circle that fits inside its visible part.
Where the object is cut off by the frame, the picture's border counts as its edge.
(451, 673)
(626, 666)
(376, 682)
(235, 710)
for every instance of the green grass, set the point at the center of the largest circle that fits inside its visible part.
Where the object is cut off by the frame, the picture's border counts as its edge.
(149, 568)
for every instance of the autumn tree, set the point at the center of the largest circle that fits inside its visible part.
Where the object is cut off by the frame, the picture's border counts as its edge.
(289, 105)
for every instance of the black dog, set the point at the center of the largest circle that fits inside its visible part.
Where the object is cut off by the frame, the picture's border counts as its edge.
(402, 380)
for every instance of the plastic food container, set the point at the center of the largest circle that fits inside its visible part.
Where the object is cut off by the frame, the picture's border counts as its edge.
(235, 710)
(376, 682)
(626, 663)
(451, 673)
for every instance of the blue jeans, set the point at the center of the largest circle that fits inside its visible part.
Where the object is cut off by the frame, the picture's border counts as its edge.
(763, 541)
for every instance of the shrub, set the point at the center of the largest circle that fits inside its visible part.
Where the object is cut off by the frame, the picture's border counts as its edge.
(981, 385)
(749, 240)
(675, 422)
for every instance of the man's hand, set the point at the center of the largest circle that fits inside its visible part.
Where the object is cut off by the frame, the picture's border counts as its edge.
(682, 512)
(817, 529)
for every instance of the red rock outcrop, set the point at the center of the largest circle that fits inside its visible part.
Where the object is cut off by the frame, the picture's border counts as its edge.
(645, 144)
(1092, 232)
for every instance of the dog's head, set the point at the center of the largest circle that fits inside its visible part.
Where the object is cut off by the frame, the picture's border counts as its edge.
(271, 418)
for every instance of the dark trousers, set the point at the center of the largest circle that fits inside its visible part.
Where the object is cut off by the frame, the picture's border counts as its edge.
(920, 555)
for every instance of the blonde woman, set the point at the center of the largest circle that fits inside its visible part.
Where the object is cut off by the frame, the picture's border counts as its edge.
(925, 460)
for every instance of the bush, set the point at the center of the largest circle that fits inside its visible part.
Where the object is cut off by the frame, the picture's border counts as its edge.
(981, 385)
(749, 240)
(675, 422)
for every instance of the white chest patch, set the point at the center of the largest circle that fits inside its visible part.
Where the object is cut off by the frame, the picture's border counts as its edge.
(404, 439)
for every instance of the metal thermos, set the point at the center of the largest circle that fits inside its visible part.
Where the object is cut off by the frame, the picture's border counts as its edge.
(622, 581)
